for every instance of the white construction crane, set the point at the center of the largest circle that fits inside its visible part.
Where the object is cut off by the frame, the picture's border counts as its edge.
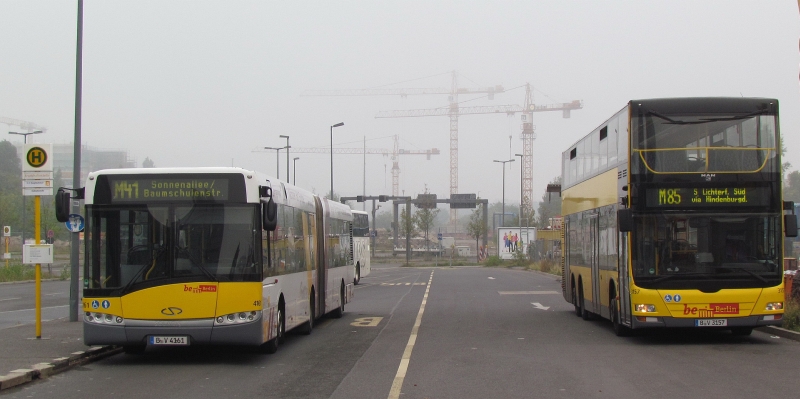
(527, 135)
(394, 153)
(29, 126)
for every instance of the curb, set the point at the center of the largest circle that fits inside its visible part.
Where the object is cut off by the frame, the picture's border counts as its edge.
(781, 332)
(43, 370)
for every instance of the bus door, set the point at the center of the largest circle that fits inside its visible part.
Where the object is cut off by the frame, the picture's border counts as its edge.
(594, 237)
(323, 215)
(624, 280)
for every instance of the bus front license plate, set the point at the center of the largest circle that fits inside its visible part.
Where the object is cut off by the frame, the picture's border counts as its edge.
(162, 340)
(711, 322)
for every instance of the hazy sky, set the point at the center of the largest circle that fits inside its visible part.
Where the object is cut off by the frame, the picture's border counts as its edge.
(209, 83)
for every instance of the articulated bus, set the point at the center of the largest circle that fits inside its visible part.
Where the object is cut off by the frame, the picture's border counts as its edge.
(207, 256)
(673, 216)
(361, 244)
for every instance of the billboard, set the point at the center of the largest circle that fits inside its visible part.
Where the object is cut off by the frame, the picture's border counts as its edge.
(514, 239)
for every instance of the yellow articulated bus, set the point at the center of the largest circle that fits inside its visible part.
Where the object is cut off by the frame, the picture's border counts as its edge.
(208, 256)
(673, 216)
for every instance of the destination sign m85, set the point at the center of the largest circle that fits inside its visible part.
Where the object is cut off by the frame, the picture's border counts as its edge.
(706, 197)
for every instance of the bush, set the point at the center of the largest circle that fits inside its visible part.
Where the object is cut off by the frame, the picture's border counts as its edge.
(493, 261)
(548, 266)
(17, 272)
(65, 274)
(791, 316)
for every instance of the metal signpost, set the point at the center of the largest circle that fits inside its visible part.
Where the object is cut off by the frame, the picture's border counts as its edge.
(6, 236)
(37, 180)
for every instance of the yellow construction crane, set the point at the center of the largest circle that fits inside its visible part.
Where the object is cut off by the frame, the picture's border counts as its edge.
(394, 153)
(29, 126)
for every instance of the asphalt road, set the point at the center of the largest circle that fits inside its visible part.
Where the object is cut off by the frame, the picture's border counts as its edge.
(478, 333)
(18, 302)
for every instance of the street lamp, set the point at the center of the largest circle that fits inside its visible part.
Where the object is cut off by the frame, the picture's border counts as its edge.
(294, 163)
(278, 159)
(333, 126)
(23, 197)
(287, 156)
(503, 216)
(521, 189)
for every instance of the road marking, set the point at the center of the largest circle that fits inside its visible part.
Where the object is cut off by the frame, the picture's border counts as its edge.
(397, 385)
(527, 292)
(366, 322)
(28, 310)
(538, 305)
(8, 299)
(490, 278)
(57, 293)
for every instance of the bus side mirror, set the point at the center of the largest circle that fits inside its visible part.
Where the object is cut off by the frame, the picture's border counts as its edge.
(790, 225)
(62, 205)
(269, 215)
(625, 220)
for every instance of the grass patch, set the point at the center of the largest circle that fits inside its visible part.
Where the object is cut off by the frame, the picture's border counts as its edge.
(547, 266)
(20, 272)
(791, 316)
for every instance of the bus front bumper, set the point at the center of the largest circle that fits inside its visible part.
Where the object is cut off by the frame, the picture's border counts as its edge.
(199, 331)
(674, 322)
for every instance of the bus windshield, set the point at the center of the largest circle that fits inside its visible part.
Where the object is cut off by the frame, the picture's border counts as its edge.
(137, 246)
(706, 251)
(704, 143)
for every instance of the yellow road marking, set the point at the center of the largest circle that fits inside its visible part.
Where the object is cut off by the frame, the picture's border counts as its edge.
(397, 385)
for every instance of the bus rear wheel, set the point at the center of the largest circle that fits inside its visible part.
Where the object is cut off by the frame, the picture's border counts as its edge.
(339, 312)
(575, 302)
(306, 328)
(357, 277)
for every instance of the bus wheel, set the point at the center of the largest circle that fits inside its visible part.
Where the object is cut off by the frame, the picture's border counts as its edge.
(306, 328)
(337, 314)
(357, 278)
(585, 314)
(741, 331)
(271, 346)
(133, 349)
(575, 302)
(619, 329)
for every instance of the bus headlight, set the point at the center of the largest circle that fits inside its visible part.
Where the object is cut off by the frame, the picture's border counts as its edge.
(775, 306)
(645, 308)
(102, 318)
(237, 318)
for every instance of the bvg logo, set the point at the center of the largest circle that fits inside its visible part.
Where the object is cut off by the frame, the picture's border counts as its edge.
(171, 311)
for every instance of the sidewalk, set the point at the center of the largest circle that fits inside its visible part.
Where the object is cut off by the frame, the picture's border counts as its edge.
(24, 358)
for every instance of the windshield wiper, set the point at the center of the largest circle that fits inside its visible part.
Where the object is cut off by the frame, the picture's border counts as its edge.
(705, 120)
(748, 272)
(150, 263)
(664, 277)
(196, 263)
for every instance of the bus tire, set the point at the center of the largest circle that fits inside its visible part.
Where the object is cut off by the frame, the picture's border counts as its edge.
(339, 312)
(619, 329)
(133, 349)
(585, 314)
(575, 301)
(357, 277)
(308, 326)
(271, 346)
(741, 331)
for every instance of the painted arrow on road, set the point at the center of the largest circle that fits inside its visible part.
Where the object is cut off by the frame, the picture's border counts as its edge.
(538, 305)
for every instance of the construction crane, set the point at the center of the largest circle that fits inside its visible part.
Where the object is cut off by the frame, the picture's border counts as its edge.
(527, 135)
(29, 126)
(394, 153)
(453, 92)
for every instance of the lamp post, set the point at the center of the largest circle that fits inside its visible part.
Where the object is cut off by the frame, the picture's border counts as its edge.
(287, 156)
(333, 126)
(23, 197)
(278, 159)
(503, 216)
(521, 191)
(294, 162)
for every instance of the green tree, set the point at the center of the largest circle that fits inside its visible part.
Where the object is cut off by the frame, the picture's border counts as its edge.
(148, 163)
(10, 186)
(408, 224)
(476, 228)
(791, 188)
(424, 218)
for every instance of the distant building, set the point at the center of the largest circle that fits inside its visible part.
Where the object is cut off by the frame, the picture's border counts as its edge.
(92, 159)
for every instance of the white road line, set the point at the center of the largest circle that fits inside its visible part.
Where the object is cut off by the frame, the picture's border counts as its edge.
(397, 385)
(8, 299)
(28, 310)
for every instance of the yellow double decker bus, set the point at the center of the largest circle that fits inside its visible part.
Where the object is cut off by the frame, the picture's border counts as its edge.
(673, 216)
(208, 256)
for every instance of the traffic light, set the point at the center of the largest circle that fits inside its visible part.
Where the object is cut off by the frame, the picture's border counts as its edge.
(382, 198)
(359, 198)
